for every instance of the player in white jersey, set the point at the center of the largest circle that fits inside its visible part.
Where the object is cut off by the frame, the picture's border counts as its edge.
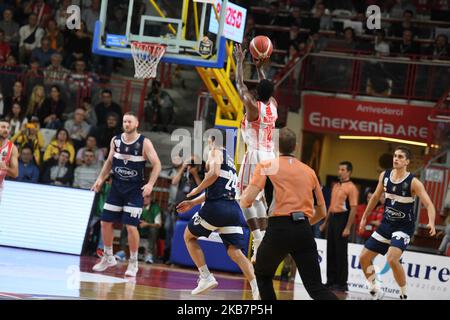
(9, 163)
(257, 129)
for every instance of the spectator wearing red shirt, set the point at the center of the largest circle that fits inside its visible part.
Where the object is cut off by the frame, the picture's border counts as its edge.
(5, 48)
(373, 220)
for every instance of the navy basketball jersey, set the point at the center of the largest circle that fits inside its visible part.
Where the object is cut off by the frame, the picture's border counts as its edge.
(399, 205)
(128, 163)
(225, 185)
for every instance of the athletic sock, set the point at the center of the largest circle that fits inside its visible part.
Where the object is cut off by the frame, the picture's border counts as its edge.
(403, 291)
(133, 256)
(254, 285)
(108, 250)
(204, 271)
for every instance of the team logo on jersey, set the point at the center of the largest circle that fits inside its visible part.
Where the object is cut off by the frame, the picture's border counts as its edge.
(127, 149)
(117, 143)
(393, 214)
(125, 172)
(197, 219)
(137, 146)
(405, 185)
(394, 188)
(385, 182)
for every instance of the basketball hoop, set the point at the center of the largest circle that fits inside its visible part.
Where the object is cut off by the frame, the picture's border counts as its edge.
(146, 57)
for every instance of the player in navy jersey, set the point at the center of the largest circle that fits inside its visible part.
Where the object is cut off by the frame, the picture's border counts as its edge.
(393, 235)
(126, 161)
(220, 213)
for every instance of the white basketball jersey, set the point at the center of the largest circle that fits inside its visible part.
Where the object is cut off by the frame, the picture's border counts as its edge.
(258, 134)
(5, 155)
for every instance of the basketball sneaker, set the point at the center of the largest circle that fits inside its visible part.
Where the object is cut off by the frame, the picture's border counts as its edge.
(377, 294)
(121, 255)
(106, 262)
(204, 284)
(256, 243)
(132, 268)
(403, 297)
(149, 259)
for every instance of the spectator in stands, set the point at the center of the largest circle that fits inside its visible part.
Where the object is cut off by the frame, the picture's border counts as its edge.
(78, 128)
(59, 143)
(159, 108)
(33, 77)
(91, 116)
(86, 174)
(30, 38)
(320, 13)
(91, 15)
(10, 73)
(295, 16)
(11, 28)
(17, 119)
(318, 7)
(5, 48)
(80, 82)
(61, 14)
(55, 73)
(316, 42)
(61, 173)
(91, 144)
(78, 45)
(55, 36)
(273, 18)
(349, 42)
(107, 106)
(400, 7)
(440, 49)
(151, 221)
(28, 171)
(44, 53)
(18, 96)
(119, 23)
(51, 113)
(36, 101)
(107, 131)
(407, 47)
(32, 137)
(397, 29)
(40, 9)
(381, 46)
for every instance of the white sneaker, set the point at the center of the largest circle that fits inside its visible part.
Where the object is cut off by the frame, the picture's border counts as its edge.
(132, 268)
(377, 294)
(106, 262)
(255, 245)
(205, 284)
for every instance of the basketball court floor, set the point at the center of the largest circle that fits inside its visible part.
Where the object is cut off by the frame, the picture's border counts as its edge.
(29, 274)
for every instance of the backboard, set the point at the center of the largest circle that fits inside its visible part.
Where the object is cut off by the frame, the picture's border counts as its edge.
(178, 24)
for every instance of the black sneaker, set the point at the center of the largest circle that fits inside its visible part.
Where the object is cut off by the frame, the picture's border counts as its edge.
(403, 297)
(329, 285)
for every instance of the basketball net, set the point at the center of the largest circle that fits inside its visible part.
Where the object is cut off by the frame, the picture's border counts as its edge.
(146, 57)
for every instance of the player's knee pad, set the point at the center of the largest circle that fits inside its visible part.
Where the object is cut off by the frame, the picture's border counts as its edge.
(249, 213)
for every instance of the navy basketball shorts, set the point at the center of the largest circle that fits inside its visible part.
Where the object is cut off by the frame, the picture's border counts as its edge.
(390, 235)
(222, 216)
(124, 204)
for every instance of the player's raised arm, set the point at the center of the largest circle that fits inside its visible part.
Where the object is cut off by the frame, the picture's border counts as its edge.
(251, 107)
(104, 174)
(151, 156)
(419, 190)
